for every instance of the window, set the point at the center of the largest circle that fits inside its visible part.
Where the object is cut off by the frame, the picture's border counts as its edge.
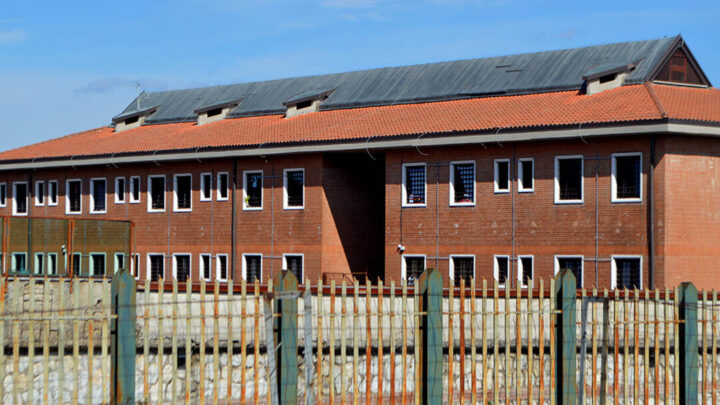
(626, 272)
(73, 197)
(626, 181)
(134, 190)
(183, 193)
(156, 266)
(252, 267)
(502, 175)
(463, 268)
(252, 190)
(19, 263)
(53, 192)
(97, 264)
(39, 267)
(39, 193)
(20, 198)
(462, 183)
(294, 263)
(119, 261)
(156, 193)
(222, 267)
(413, 185)
(3, 195)
(206, 187)
(572, 263)
(568, 179)
(525, 270)
(77, 263)
(119, 190)
(52, 264)
(502, 270)
(294, 188)
(222, 186)
(98, 191)
(205, 267)
(181, 267)
(412, 268)
(526, 175)
(136, 265)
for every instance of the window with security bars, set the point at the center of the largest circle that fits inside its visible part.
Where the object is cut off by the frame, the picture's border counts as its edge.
(157, 193)
(463, 182)
(253, 189)
(205, 268)
(569, 172)
(253, 266)
(627, 177)
(182, 267)
(98, 188)
(222, 267)
(526, 270)
(575, 265)
(97, 264)
(294, 263)
(157, 267)
(502, 176)
(294, 183)
(463, 269)
(74, 194)
(502, 270)
(183, 192)
(627, 273)
(414, 267)
(414, 185)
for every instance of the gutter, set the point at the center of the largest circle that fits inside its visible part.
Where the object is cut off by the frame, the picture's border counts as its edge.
(390, 142)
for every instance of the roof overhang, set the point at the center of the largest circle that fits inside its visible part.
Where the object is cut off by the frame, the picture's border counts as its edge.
(134, 113)
(384, 142)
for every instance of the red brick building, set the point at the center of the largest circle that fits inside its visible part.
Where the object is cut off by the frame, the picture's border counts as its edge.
(604, 160)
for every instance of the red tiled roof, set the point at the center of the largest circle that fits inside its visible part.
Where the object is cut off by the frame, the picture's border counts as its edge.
(623, 104)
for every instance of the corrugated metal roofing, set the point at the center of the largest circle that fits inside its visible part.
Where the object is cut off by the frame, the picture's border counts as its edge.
(504, 75)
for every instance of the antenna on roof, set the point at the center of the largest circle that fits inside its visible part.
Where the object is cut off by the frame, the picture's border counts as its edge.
(137, 87)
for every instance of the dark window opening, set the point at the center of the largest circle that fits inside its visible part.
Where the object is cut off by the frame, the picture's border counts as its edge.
(222, 267)
(135, 189)
(294, 188)
(527, 175)
(679, 70)
(464, 182)
(136, 265)
(40, 192)
(570, 178)
(77, 263)
(98, 264)
(182, 267)
(627, 176)
(183, 192)
(574, 264)
(206, 269)
(253, 190)
(132, 120)
(503, 270)
(414, 267)
(52, 264)
(74, 195)
(223, 186)
(607, 78)
(463, 269)
(157, 193)
(157, 267)
(3, 194)
(415, 184)
(39, 263)
(98, 193)
(19, 263)
(627, 273)
(502, 175)
(253, 268)
(526, 263)
(303, 104)
(119, 261)
(120, 190)
(214, 112)
(20, 195)
(206, 181)
(294, 263)
(53, 192)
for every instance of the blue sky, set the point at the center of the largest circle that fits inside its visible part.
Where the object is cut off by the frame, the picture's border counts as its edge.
(71, 66)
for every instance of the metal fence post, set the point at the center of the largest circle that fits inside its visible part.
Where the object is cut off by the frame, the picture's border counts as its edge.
(122, 350)
(431, 338)
(565, 364)
(688, 344)
(286, 295)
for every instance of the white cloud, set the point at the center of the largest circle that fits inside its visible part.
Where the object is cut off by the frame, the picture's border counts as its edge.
(13, 37)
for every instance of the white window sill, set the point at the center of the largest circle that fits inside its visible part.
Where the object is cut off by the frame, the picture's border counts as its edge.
(467, 204)
(252, 208)
(182, 210)
(502, 191)
(98, 212)
(294, 208)
(156, 211)
(73, 212)
(626, 200)
(423, 205)
(569, 202)
(207, 199)
(526, 190)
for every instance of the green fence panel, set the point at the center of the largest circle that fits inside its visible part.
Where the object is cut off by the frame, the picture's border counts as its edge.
(688, 344)
(431, 339)
(122, 350)
(566, 366)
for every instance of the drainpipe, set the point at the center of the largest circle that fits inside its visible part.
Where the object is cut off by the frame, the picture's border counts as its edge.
(29, 194)
(233, 249)
(651, 214)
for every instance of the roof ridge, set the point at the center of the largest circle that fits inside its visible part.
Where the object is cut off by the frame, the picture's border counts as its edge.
(656, 99)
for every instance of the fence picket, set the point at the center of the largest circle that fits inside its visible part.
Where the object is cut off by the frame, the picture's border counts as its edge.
(506, 311)
(416, 340)
(76, 341)
(703, 345)
(656, 330)
(146, 342)
(392, 342)
(462, 340)
(188, 347)
(230, 342)
(496, 361)
(518, 343)
(676, 318)
(203, 347)
(343, 346)
(473, 343)
(636, 352)
(319, 345)
(483, 321)
(331, 325)
(668, 326)
(105, 339)
(553, 320)
(541, 342)
(356, 341)
(31, 346)
(404, 367)
(173, 341)
(646, 349)
(60, 341)
(713, 369)
(243, 343)
(216, 342)
(381, 347)
(368, 343)
(160, 315)
(3, 299)
(593, 316)
(451, 343)
(528, 332)
(256, 344)
(46, 342)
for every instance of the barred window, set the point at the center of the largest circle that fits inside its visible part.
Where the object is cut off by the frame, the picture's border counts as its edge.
(627, 273)
(463, 182)
(626, 175)
(414, 183)
(294, 263)
(463, 268)
(97, 264)
(414, 267)
(98, 189)
(182, 267)
(568, 178)
(575, 265)
(74, 194)
(253, 189)
(294, 183)
(157, 267)
(502, 270)
(183, 192)
(253, 268)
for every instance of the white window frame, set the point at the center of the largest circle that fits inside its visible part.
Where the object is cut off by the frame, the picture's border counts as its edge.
(217, 186)
(244, 266)
(148, 267)
(27, 201)
(4, 203)
(285, 192)
(613, 269)
(582, 265)
(77, 258)
(50, 203)
(91, 263)
(131, 187)
(452, 183)
(125, 190)
(116, 266)
(302, 263)
(451, 274)
(37, 194)
(13, 262)
(557, 179)
(40, 255)
(262, 184)
(149, 192)
(613, 184)
(404, 185)
(496, 270)
(92, 195)
(67, 197)
(175, 196)
(496, 171)
(174, 265)
(47, 264)
(201, 266)
(217, 267)
(403, 265)
(521, 186)
(203, 180)
(520, 269)
(135, 265)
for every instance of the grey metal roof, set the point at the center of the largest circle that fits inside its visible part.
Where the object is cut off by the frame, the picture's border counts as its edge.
(513, 74)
